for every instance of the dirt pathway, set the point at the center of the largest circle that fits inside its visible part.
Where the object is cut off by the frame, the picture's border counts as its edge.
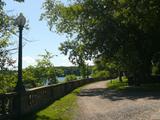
(98, 103)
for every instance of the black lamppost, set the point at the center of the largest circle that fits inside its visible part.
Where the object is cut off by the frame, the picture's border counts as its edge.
(20, 22)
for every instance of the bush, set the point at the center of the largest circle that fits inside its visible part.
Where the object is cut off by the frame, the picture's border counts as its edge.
(101, 74)
(117, 85)
(8, 81)
(69, 78)
(155, 70)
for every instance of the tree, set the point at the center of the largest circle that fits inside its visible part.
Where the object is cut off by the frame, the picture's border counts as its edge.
(30, 77)
(70, 78)
(124, 30)
(59, 72)
(8, 80)
(76, 53)
(7, 77)
(45, 68)
(43, 73)
(5, 59)
(7, 28)
(67, 71)
(105, 68)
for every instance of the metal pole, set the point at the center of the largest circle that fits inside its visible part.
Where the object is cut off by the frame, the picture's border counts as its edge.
(20, 87)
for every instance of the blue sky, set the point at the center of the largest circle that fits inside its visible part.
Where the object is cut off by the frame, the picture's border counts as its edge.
(38, 33)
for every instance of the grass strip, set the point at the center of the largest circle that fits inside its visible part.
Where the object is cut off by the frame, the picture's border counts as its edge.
(62, 109)
(123, 86)
(117, 85)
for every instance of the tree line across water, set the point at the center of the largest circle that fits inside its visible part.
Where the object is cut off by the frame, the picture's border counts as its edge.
(45, 73)
(120, 36)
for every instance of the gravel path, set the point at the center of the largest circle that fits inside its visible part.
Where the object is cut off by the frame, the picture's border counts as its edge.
(98, 103)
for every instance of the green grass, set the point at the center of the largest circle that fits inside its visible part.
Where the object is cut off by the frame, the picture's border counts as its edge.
(145, 88)
(123, 86)
(62, 109)
(117, 85)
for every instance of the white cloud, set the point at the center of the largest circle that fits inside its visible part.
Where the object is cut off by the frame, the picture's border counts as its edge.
(57, 61)
(90, 62)
(62, 61)
(28, 60)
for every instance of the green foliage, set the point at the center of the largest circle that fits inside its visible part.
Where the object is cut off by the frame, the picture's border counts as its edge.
(156, 64)
(30, 77)
(126, 31)
(6, 23)
(5, 58)
(69, 70)
(7, 81)
(76, 53)
(7, 77)
(69, 78)
(41, 73)
(101, 74)
(104, 68)
(117, 85)
(63, 109)
(59, 72)
(45, 68)
(155, 70)
(123, 86)
(7, 28)
(33, 76)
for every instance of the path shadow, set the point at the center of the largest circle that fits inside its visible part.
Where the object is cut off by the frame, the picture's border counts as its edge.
(114, 95)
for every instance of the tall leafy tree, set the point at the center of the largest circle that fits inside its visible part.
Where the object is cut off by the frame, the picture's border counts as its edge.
(76, 53)
(124, 30)
(43, 73)
(7, 28)
(46, 69)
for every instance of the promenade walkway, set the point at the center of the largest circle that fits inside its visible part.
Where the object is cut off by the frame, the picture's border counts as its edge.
(96, 102)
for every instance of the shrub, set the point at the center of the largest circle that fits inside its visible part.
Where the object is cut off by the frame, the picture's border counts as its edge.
(117, 85)
(101, 74)
(69, 78)
(7, 81)
(155, 70)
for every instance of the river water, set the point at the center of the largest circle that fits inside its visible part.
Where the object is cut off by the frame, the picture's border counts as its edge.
(60, 79)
